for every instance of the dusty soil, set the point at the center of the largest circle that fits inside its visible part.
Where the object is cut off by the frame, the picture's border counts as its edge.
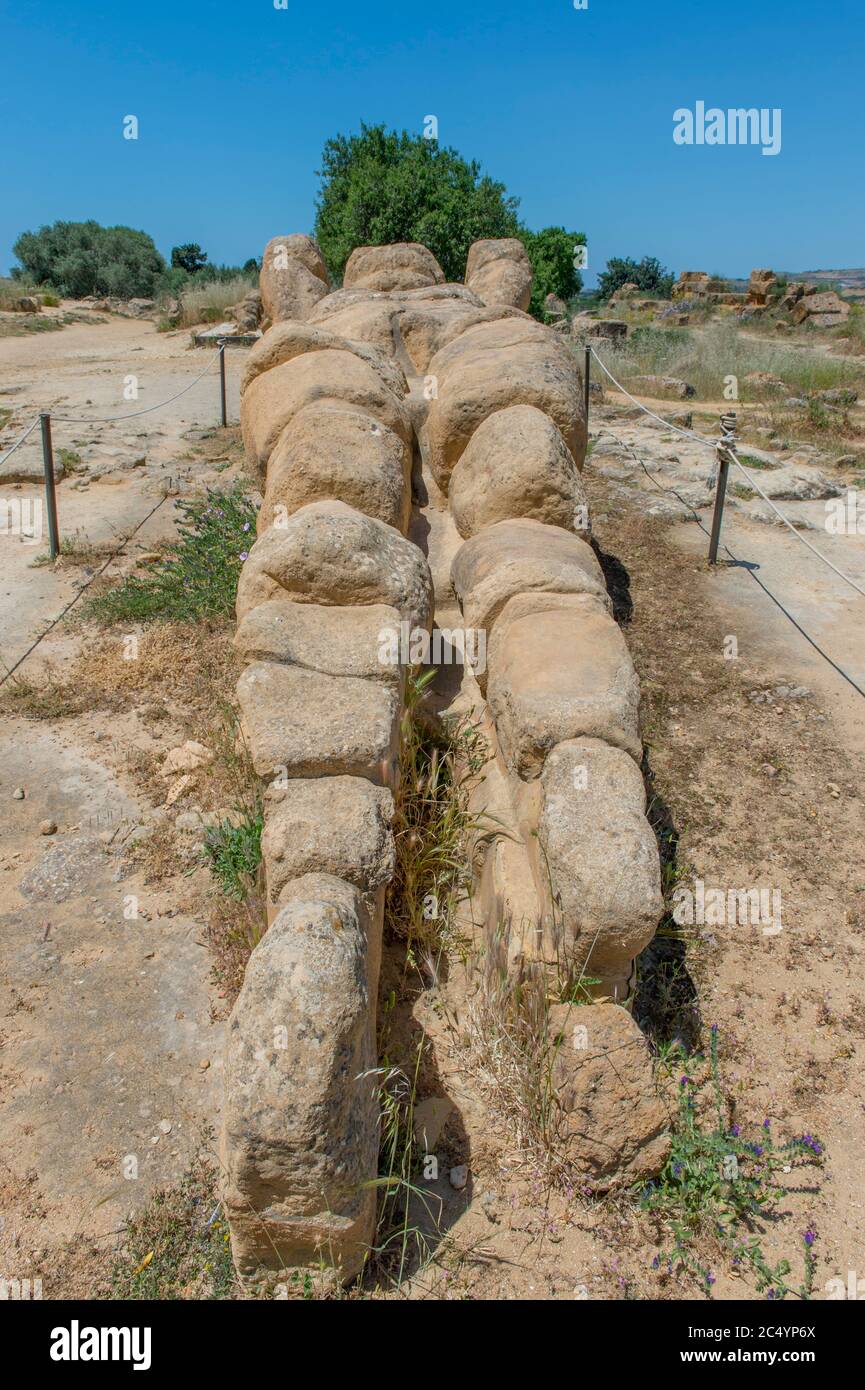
(110, 1023)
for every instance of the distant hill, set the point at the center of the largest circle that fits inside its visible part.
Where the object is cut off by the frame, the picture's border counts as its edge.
(848, 279)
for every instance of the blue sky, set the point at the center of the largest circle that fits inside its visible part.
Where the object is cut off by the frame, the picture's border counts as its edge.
(572, 110)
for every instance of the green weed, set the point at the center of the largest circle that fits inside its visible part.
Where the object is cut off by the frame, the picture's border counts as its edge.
(178, 1246)
(233, 852)
(718, 1184)
(198, 577)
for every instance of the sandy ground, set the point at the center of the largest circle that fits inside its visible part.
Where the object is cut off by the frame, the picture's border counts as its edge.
(110, 1058)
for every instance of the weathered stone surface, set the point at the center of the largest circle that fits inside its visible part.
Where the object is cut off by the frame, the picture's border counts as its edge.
(512, 361)
(691, 284)
(272, 399)
(759, 285)
(300, 1122)
(814, 306)
(559, 668)
(585, 326)
(500, 272)
(608, 1108)
(516, 464)
(436, 293)
(404, 265)
(246, 312)
(293, 277)
(665, 386)
(291, 338)
(429, 325)
(414, 323)
(504, 896)
(368, 319)
(335, 825)
(517, 557)
(301, 723)
(602, 859)
(331, 554)
(342, 453)
(335, 641)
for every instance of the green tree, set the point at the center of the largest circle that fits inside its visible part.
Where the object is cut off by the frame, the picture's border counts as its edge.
(380, 186)
(80, 258)
(188, 257)
(648, 275)
(551, 252)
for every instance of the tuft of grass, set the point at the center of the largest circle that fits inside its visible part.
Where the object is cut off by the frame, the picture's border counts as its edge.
(178, 1246)
(719, 350)
(22, 324)
(53, 699)
(233, 851)
(71, 460)
(431, 825)
(408, 1219)
(208, 303)
(198, 577)
(717, 1185)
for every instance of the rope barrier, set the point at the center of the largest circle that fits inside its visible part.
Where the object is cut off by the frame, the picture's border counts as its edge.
(18, 442)
(54, 621)
(102, 420)
(110, 419)
(736, 561)
(726, 443)
(134, 414)
(820, 556)
(689, 434)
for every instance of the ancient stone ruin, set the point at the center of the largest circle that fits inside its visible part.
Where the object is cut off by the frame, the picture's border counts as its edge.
(420, 446)
(800, 303)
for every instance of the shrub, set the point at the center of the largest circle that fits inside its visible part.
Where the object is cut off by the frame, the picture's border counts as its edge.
(648, 275)
(716, 1185)
(380, 186)
(207, 301)
(81, 258)
(234, 853)
(551, 252)
(198, 578)
(189, 257)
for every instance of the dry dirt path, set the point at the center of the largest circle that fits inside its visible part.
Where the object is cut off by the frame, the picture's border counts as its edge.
(110, 1058)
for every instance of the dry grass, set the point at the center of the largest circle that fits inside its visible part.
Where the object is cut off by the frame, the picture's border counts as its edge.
(208, 303)
(720, 349)
(192, 665)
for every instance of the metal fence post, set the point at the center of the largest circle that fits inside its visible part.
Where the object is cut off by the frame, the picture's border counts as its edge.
(728, 434)
(50, 491)
(586, 370)
(222, 382)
